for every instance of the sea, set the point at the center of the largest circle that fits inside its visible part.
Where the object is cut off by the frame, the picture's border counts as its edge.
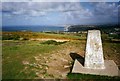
(33, 28)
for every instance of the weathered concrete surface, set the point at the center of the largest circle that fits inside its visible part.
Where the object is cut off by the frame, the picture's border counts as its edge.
(110, 70)
(94, 53)
(94, 61)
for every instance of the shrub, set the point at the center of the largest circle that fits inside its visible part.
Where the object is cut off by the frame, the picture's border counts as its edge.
(52, 42)
(114, 36)
(25, 39)
(10, 37)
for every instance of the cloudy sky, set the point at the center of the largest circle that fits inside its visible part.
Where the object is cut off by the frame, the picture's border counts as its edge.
(58, 13)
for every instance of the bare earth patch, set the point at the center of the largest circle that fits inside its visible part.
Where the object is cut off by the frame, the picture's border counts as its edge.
(46, 39)
(57, 63)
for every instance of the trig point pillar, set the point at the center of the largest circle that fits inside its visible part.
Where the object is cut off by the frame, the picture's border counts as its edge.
(94, 52)
(94, 62)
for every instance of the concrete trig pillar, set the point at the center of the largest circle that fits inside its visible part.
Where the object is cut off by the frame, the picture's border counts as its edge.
(94, 52)
(94, 61)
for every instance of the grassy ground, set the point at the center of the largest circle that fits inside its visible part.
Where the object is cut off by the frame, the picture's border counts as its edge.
(15, 55)
(34, 35)
(26, 59)
(91, 77)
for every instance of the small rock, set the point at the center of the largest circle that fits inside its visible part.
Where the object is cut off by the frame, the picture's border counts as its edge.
(42, 77)
(25, 62)
(46, 61)
(66, 66)
(46, 68)
(37, 73)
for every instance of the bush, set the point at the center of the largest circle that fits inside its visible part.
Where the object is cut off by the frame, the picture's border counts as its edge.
(115, 36)
(52, 42)
(10, 37)
(25, 39)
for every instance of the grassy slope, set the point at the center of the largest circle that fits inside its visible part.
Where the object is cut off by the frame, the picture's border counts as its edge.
(14, 55)
(16, 52)
(30, 35)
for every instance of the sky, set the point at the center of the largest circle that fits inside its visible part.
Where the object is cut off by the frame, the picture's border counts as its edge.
(59, 13)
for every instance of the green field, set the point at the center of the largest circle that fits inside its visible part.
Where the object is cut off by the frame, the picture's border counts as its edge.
(34, 35)
(16, 52)
(33, 59)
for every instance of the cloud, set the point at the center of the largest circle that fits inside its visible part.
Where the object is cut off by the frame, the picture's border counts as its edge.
(25, 8)
(60, 0)
(42, 0)
(43, 8)
(65, 12)
(106, 9)
(38, 9)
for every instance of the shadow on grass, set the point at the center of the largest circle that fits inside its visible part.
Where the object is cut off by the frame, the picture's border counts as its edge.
(76, 56)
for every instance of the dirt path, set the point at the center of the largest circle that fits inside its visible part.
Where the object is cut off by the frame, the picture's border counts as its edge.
(58, 63)
(46, 39)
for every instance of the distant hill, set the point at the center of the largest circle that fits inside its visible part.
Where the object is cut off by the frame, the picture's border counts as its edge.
(104, 28)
